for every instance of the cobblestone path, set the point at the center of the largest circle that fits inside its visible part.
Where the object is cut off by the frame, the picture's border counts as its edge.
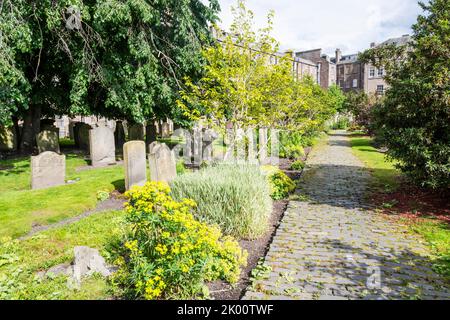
(331, 246)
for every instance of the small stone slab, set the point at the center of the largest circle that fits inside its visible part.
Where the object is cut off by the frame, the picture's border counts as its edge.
(134, 164)
(162, 162)
(102, 146)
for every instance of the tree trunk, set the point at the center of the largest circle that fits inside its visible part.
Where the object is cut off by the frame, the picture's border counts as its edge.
(31, 127)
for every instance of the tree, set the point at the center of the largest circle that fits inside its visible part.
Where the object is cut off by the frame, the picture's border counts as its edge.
(247, 82)
(121, 59)
(414, 118)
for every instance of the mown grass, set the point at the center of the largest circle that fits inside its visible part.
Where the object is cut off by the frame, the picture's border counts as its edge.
(21, 207)
(386, 178)
(21, 260)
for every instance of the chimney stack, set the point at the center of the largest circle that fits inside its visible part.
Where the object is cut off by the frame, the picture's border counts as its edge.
(338, 55)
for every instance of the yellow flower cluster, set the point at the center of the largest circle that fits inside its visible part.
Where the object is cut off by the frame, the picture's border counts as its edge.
(172, 239)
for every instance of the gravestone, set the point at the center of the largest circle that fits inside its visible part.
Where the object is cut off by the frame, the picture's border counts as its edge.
(135, 164)
(162, 163)
(48, 169)
(150, 133)
(8, 139)
(72, 130)
(48, 140)
(197, 152)
(165, 128)
(208, 138)
(101, 146)
(262, 144)
(119, 135)
(83, 136)
(136, 132)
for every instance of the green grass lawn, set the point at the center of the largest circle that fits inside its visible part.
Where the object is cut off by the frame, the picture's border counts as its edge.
(21, 207)
(21, 260)
(386, 178)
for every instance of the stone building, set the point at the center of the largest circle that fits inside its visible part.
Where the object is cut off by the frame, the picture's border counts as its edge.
(349, 72)
(374, 82)
(325, 68)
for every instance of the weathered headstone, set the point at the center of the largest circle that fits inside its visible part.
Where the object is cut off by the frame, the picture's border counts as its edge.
(119, 135)
(83, 136)
(48, 140)
(197, 145)
(136, 132)
(150, 133)
(101, 146)
(135, 164)
(262, 144)
(48, 169)
(72, 130)
(165, 128)
(162, 163)
(208, 138)
(8, 139)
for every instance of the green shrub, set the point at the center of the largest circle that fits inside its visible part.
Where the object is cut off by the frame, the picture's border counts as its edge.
(164, 252)
(236, 197)
(280, 184)
(292, 152)
(181, 169)
(297, 165)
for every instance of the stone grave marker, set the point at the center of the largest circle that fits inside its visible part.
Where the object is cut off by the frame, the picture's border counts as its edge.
(83, 135)
(101, 146)
(162, 163)
(119, 135)
(48, 169)
(262, 144)
(48, 140)
(136, 132)
(8, 139)
(135, 164)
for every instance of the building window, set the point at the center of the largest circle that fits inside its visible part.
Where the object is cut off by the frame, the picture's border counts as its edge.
(372, 72)
(355, 83)
(380, 72)
(380, 89)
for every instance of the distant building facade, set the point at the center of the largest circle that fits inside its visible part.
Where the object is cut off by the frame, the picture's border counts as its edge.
(325, 68)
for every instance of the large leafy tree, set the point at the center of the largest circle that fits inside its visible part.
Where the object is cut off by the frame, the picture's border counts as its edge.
(249, 83)
(124, 59)
(414, 118)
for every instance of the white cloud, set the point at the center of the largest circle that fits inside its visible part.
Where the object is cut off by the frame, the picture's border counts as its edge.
(329, 24)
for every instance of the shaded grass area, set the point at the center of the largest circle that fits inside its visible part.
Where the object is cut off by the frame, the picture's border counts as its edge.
(21, 207)
(386, 180)
(21, 260)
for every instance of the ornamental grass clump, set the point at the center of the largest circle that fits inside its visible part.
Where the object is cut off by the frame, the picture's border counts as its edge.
(163, 252)
(234, 196)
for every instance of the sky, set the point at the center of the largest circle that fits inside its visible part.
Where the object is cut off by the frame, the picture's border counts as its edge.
(350, 25)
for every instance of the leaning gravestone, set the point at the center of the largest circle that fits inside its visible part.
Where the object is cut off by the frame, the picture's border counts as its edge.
(8, 139)
(162, 163)
(119, 135)
(48, 169)
(136, 132)
(135, 164)
(101, 146)
(48, 140)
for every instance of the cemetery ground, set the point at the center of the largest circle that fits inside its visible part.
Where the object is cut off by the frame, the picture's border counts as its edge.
(22, 209)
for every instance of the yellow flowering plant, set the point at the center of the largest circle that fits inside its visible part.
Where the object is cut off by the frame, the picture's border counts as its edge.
(165, 253)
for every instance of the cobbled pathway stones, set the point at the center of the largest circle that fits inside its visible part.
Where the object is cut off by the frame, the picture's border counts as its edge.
(333, 246)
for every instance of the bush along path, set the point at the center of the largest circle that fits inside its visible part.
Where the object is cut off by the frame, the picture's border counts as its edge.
(333, 246)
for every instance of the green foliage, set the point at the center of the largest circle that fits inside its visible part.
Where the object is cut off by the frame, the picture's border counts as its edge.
(236, 197)
(102, 195)
(241, 86)
(297, 165)
(181, 169)
(291, 144)
(341, 124)
(163, 252)
(126, 61)
(280, 184)
(414, 119)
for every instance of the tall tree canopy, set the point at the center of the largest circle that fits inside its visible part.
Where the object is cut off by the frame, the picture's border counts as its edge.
(124, 59)
(414, 117)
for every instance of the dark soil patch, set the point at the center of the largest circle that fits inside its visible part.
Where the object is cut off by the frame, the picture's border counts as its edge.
(413, 203)
(256, 249)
